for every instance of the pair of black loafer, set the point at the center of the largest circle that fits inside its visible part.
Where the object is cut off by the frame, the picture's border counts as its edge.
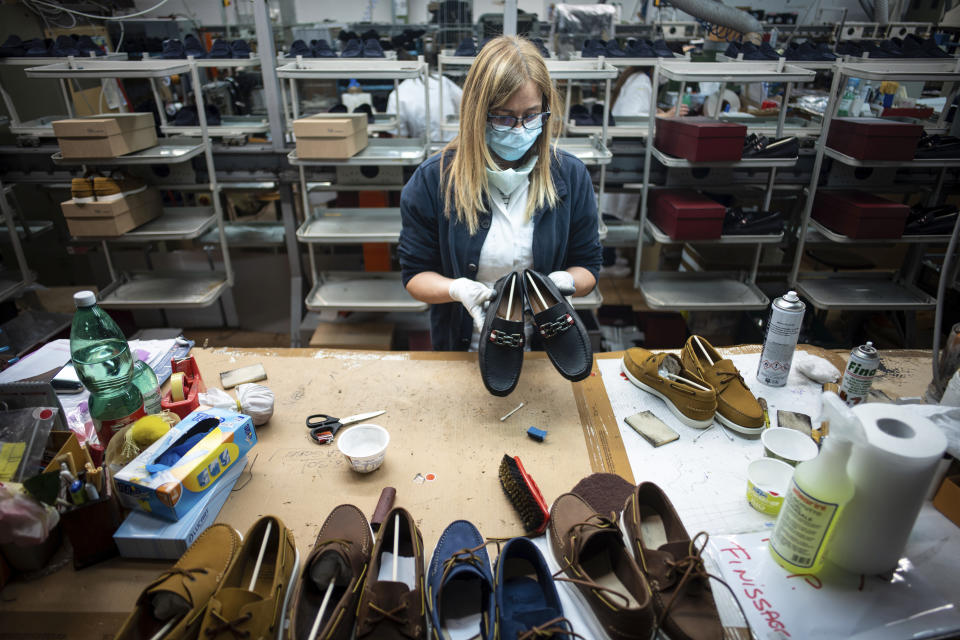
(563, 334)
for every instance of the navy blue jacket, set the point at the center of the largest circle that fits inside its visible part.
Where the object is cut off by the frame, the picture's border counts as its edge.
(563, 236)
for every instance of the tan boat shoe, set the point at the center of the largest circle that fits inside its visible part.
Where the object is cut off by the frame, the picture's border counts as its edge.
(737, 407)
(690, 398)
(117, 186)
(590, 550)
(341, 553)
(250, 601)
(671, 561)
(177, 598)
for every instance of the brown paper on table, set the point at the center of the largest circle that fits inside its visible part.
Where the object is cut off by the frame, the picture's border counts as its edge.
(442, 424)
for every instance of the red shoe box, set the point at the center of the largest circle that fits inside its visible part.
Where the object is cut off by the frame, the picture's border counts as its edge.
(874, 138)
(687, 215)
(861, 215)
(700, 139)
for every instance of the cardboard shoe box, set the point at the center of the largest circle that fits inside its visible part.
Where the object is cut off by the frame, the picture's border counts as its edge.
(105, 136)
(114, 218)
(170, 490)
(331, 136)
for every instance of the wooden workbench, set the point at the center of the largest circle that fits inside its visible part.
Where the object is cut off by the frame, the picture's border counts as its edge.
(447, 440)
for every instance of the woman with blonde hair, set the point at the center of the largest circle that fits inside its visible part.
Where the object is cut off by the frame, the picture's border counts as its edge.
(500, 197)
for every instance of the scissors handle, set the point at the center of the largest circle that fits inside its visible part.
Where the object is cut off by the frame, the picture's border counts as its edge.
(320, 420)
(323, 428)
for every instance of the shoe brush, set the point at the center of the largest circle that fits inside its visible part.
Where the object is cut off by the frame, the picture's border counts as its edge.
(524, 495)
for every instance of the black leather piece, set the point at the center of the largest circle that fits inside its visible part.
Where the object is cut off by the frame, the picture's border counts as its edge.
(500, 351)
(564, 335)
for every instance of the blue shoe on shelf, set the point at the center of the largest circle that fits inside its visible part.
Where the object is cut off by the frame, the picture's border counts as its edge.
(466, 48)
(86, 46)
(460, 584)
(64, 46)
(581, 116)
(372, 49)
(526, 595)
(613, 50)
(220, 49)
(661, 50)
(639, 49)
(321, 49)
(733, 50)
(541, 47)
(593, 49)
(173, 50)
(240, 49)
(38, 48)
(193, 47)
(299, 48)
(367, 109)
(12, 47)
(353, 49)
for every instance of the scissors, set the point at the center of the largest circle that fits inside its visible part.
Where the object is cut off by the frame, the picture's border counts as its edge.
(323, 427)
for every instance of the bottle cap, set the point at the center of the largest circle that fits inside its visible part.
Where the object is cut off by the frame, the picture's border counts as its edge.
(84, 299)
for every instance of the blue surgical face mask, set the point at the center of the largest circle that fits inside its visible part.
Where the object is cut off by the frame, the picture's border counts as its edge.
(513, 143)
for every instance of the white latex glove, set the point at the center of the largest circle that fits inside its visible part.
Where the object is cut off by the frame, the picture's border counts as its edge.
(474, 296)
(564, 282)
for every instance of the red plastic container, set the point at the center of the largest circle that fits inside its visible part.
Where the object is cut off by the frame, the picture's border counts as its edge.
(687, 215)
(700, 139)
(874, 138)
(861, 215)
(192, 386)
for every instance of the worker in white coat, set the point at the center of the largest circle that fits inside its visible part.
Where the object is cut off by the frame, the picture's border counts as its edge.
(411, 110)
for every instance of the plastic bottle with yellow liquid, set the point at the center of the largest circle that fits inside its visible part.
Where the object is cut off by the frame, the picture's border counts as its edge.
(819, 491)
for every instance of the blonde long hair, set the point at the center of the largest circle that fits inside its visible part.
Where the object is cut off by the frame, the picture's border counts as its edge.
(503, 66)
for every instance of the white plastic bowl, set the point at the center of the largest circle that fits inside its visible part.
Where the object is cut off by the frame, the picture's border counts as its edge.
(364, 446)
(788, 445)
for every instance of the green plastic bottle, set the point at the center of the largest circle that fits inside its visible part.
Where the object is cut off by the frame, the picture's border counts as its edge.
(146, 381)
(104, 365)
(819, 491)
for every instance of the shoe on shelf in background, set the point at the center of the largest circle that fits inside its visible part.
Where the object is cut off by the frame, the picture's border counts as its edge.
(590, 550)
(86, 46)
(370, 34)
(460, 585)
(178, 596)
(12, 47)
(394, 609)
(581, 115)
(887, 49)
(661, 49)
(673, 565)
(769, 52)
(757, 146)
(826, 54)
(173, 50)
(220, 49)
(688, 396)
(466, 48)
(612, 49)
(596, 112)
(240, 50)
(938, 220)
(321, 49)
(338, 108)
(352, 49)
(338, 561)
(299, 48)
(732, 50)
(637, 48)
(251, 600)
(38, 48)
(737, 407)
(372, 48)
(541, 47)
(118, 185)
(81, 189)
(187, 116)
(367, 109)
(65, 46)
(593, 48)
(751, 51)
(849, 48)
(193, 47)
(938, 146)
(527, 598)
(737, 222)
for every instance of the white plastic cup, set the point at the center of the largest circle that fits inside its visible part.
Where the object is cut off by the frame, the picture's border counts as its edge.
(788, 445)
(364, 446)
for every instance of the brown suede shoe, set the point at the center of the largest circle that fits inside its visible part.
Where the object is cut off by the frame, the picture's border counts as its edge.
(671, 560)
(341, 553)
(179, 596)
(590, 550)
(690, 398)
(394, 610)
(254, 611)
(737, 407)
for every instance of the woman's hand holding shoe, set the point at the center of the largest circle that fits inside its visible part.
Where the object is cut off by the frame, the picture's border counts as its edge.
(473, 295)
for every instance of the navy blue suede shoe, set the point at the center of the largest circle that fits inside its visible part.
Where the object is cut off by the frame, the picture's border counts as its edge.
(460, 584)
(193, 47)
(220, 49)
(527, 598)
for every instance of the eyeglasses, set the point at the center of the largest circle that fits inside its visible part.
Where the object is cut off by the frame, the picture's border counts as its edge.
(505, 123)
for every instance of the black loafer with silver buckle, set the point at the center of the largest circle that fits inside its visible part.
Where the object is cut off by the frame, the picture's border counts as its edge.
(501, 339)
(564, 335)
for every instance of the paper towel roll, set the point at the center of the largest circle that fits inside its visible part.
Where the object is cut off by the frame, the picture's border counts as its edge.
(891, 475)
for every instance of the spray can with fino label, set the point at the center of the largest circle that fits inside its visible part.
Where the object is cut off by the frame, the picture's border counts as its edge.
(783, 331)
(858, 376)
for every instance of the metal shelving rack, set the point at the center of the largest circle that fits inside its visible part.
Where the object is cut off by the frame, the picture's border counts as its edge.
(158, 289)
(11, 285)
(711, 290)
(358, 290)
(873, 290)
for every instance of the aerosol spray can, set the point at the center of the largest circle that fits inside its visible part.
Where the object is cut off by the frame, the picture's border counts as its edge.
(859, 374)
(783, 331)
